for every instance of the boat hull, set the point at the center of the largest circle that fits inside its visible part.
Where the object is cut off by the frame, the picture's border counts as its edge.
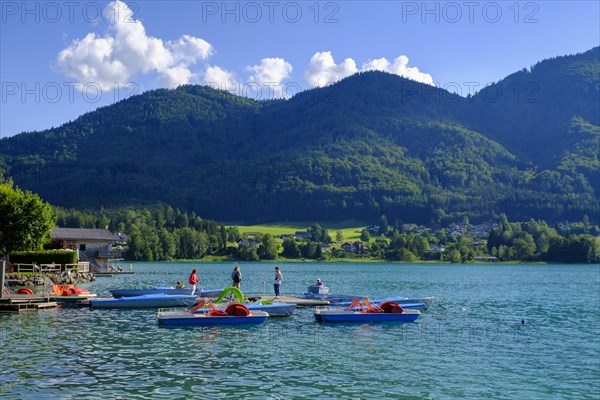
(204, 319)
(331, 298)
(409, 306)
(402, 301)
(74, 300)
(361, 317)
(416, 303)
(159, 300)
(274, 310)
(166, 290)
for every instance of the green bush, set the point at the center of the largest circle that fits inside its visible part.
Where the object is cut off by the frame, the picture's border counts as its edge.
(44, 257)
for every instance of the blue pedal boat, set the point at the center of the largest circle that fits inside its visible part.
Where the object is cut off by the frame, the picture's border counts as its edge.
(362, 317)
(206, 319)
(166, 290)
(237, 297)
(361, 311)
(273, 309)
(157, 300)
(234, 314)
(415, 303)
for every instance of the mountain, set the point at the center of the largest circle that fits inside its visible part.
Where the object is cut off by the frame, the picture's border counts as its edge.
(539, 105)
(372, 144)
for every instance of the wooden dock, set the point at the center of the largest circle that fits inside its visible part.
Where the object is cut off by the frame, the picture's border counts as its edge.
(24, 302)
(99, 274)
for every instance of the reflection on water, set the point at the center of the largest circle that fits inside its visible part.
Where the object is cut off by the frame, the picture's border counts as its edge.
(471, 343)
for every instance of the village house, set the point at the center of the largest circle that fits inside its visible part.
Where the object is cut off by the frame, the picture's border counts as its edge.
(303, 235)
(248, 242)
(93, 245)
(436, 247)
(373, 228)
(350, 247)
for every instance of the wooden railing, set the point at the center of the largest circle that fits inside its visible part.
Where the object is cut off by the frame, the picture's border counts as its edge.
(51, 268)
(108, 254)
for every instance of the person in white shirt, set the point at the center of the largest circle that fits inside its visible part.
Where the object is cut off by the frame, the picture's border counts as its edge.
(278, 280)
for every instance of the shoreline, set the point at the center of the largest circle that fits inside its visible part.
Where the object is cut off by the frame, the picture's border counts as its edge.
(348, 260)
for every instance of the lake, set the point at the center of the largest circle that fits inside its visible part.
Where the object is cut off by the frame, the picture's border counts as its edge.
(493, 331)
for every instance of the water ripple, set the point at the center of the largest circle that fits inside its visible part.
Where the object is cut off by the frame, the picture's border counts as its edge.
(471, 344)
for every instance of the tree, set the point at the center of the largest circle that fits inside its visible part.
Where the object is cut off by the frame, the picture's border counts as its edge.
(455, 256)
(407, 255)
(524, 247)
(168, 243)
(26, 222)
(383, 225)
(222, 238)
(247, 253)
(365, 236)
(418, 245)
(309, 249)
(290, 248)
(320, 234)
(318, 253)
(268, 249)
(233, 234)
(339, 237)
(192, 244)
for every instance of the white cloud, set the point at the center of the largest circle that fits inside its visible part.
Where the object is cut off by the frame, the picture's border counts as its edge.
(176, 76)
(398, 67)
(126, 51)
(268, 77)
(189, 49)
(270, 70)
(220, 78)
(322, 69)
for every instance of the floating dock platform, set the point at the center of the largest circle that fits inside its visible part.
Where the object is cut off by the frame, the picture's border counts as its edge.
(298, 301)
(25, 302)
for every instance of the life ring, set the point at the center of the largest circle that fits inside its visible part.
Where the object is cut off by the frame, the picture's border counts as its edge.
(24, 291)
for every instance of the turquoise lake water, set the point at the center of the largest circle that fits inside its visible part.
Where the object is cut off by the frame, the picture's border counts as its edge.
(470, 344)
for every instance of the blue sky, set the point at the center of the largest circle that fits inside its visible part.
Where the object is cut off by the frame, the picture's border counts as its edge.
(59, 59)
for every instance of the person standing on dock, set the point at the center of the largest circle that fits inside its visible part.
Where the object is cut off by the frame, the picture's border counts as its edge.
(194, 280)
(278, 280)
(236, 277)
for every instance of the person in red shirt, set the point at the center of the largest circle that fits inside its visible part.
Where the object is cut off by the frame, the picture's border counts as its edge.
(194, 280)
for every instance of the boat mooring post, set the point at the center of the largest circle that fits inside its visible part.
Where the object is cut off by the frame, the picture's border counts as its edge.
(2, 270)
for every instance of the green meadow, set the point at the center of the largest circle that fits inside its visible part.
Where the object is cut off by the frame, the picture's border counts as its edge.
(350, 229)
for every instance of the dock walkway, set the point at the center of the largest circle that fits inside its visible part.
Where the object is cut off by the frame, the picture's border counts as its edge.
(24, 302)
(298, 301)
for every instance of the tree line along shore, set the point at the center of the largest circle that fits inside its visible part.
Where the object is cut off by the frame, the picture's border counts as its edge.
(161, 233)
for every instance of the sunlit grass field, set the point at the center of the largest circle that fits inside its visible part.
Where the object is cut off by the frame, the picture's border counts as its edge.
(350, 229)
